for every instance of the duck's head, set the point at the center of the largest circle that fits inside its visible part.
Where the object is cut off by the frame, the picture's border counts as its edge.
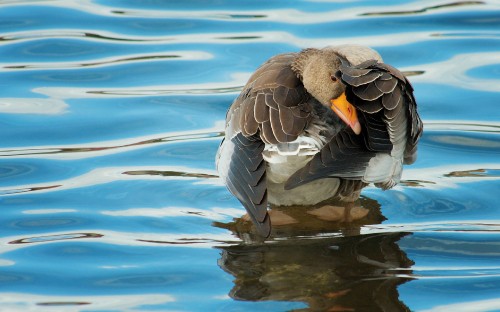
(317, 69)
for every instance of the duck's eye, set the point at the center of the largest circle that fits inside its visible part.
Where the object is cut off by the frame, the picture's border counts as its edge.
(333, 78)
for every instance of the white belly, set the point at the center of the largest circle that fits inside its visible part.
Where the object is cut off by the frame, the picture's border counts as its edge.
(307, 194)
(283, 160)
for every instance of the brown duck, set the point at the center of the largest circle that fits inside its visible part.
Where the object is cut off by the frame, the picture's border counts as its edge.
(317, 124)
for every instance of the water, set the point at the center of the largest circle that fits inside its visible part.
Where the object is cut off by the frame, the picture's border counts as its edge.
(112, 111)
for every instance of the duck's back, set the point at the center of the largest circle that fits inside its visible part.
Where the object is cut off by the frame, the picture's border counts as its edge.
(273, 104)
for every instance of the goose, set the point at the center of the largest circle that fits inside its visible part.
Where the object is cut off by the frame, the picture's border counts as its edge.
(317, 124)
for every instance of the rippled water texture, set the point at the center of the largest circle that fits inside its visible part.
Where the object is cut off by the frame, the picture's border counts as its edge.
(111, 113)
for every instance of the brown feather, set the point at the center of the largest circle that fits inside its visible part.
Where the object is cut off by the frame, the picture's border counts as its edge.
(261, 111)
(367, 92)
(355, 72)
(287, 120)
(250, 126)
(386, 86)
(278, 132)
(270, 102)
(267, 134)
(361, 80)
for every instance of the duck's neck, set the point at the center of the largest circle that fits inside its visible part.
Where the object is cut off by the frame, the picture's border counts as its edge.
(302, 59)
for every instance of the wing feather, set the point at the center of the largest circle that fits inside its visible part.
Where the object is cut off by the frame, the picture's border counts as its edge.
(388, 99)
(391, 129)
(345, 156)
(388, 107)
(242, 167)
(272, 108)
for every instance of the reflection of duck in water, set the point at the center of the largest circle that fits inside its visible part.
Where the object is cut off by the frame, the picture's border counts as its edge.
(357, 273)
(328, 219)
(293, 136)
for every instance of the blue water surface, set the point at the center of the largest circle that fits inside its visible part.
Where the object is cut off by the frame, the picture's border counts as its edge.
(112, 112)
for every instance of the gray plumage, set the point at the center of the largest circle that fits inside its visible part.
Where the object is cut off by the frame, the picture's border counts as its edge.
(283, 144)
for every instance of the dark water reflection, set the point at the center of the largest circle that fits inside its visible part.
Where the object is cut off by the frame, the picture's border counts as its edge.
(329, 218)
(356, 273)
(328, 265)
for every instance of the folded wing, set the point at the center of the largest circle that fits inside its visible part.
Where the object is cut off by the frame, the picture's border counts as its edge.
(272, 109)
(391, 129)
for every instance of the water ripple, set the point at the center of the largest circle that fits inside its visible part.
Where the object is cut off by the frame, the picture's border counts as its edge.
(476, 227)
(25, 301)
(202, 240)
(454, 72)
(446, 6)
(172, 55)
(112, 147)
(51, 238)
(111, 120)
(107, 175)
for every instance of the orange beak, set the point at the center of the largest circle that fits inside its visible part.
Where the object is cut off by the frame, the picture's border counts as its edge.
(347, 112)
